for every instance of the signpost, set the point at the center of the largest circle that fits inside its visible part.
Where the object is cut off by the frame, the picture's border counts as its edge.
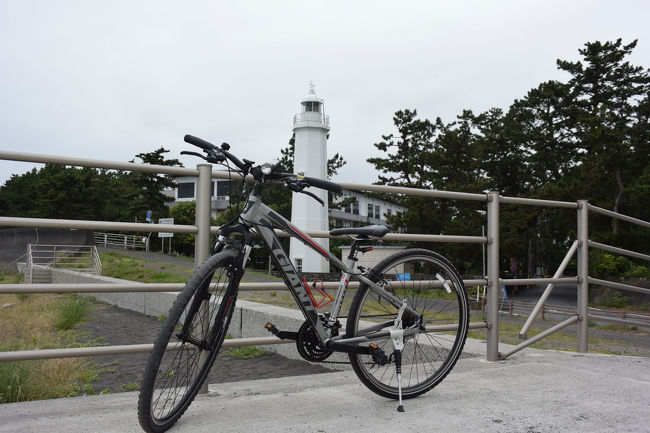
(513, 264)
(164, 235)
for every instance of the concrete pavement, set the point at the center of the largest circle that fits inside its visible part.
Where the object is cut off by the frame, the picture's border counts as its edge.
(533, 391)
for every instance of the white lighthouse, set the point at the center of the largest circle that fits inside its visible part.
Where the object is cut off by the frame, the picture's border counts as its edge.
(310, 127)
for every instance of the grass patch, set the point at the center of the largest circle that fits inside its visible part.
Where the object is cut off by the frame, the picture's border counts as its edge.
(38, 380)
(31, 325)
(247, 352)
(128, 387)
(260, 274)
(117, 265)
(71, 311)
(10, 277)
(617, 327)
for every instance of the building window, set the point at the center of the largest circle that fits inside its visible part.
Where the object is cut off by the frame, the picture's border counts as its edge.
(312, 106)
(389, 212)
(355, 207)
(186, 190)
(377, 212)
(298, 264)
(371, 211)
(226, 188)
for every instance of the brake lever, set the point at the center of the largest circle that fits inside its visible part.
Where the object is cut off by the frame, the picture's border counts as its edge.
(314, 196)
(187, 152)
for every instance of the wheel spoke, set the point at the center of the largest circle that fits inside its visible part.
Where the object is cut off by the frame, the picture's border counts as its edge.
(427, 353)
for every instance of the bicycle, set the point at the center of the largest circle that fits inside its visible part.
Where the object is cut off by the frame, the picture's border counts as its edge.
(405, 329)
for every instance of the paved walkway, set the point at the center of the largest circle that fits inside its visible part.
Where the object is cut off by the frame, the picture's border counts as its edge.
(534, 391)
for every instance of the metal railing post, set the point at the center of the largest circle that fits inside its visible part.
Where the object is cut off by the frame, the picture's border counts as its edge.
(493, 276)
(583, 275)
(202, 241)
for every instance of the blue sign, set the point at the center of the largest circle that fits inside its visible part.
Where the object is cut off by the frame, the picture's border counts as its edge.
(404, 277)
(148, 215)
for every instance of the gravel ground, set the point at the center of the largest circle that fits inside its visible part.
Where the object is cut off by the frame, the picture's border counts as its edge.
(116, 326)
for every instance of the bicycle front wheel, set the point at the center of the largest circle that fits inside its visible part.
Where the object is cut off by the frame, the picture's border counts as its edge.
(431, 286)
(188, 343)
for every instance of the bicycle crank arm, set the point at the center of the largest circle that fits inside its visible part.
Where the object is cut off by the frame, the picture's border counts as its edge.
(378, 355)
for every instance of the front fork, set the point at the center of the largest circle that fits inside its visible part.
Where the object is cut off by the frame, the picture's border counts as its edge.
(202, 295)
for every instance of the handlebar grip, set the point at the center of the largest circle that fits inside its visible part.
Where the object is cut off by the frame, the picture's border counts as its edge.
(324, 184)
(198, 142)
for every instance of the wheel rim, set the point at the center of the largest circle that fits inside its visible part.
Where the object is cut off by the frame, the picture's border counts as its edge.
(181, 371)
(427, 356)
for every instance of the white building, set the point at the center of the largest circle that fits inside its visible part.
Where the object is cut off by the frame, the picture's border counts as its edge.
(310, 127)
(363, 210)
(219, 195)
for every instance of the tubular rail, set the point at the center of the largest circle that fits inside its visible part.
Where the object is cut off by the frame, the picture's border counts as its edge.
(202, 229)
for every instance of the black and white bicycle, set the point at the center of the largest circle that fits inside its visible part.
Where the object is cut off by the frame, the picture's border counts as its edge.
(404, 331)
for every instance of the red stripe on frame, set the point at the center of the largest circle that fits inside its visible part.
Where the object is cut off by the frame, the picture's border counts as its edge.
(314, 244)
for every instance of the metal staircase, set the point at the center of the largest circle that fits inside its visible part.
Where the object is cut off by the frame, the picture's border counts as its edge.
(41, 259)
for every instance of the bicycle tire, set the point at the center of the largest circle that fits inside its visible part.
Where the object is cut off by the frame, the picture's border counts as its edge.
(172, 378)
(439, 305)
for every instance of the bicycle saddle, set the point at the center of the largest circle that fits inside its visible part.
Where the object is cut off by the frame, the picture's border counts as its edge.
(374, 230)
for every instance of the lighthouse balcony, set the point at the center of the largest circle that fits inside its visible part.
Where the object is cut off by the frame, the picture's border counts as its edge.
(311, 118)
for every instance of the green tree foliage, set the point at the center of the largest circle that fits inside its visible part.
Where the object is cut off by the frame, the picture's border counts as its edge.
(588, 138)
(57, 191)
(149, 186)
(184, 213)
(433, 155)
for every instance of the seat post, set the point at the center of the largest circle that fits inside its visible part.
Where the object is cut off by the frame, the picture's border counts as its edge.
(354, 251)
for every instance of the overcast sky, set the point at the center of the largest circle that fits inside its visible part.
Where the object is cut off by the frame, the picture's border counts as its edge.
(109, 79)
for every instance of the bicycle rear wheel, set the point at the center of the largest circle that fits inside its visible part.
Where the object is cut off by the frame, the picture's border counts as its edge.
(188, 343)
(431, 286)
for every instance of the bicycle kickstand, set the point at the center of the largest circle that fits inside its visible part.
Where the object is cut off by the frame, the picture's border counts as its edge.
(397, 336)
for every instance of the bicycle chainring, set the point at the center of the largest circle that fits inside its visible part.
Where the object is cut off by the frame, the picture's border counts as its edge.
(309, 346)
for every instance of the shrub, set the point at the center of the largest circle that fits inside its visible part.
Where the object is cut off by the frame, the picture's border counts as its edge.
(71, 311)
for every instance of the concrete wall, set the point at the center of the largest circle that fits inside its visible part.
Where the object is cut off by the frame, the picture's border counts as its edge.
(152, 304)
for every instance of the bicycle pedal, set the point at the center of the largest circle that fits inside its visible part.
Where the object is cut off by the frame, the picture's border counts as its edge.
(271, 328)
(283, 335)
(378, 355)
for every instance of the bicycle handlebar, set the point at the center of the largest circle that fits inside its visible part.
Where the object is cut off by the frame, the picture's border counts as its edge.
(198, 142)
(216, 152)
(212, 149)
(323, 184)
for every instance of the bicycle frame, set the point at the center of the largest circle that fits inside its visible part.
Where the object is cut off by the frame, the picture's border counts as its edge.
(264, 219)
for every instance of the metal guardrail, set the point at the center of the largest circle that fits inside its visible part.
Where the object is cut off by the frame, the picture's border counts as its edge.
(493, 201)
(119, 240)
(81, 258)
(626, 317)
(311, 116)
